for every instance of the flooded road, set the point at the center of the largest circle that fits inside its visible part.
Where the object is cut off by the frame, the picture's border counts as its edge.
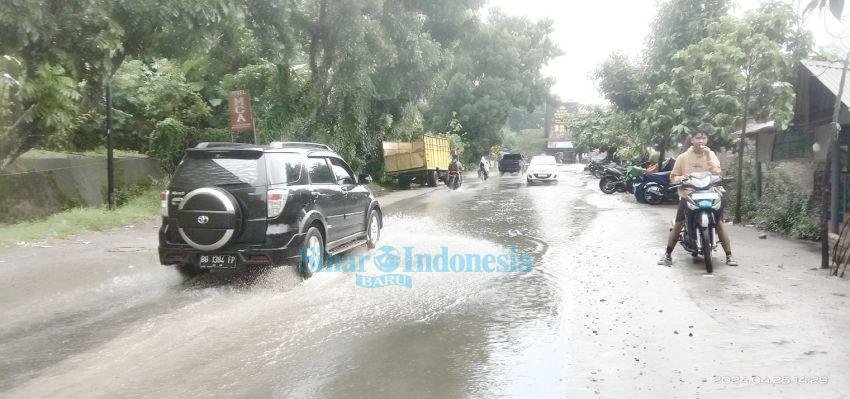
(593, 317)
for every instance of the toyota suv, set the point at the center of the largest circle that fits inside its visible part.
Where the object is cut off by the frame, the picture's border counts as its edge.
(235, 205)
(511, 163)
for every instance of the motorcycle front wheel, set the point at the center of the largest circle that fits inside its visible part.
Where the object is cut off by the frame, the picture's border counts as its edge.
(652, 196)
(608, 184)
(705, 243)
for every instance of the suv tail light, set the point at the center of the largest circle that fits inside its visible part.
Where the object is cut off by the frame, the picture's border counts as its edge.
(276, 199)
(163, 203)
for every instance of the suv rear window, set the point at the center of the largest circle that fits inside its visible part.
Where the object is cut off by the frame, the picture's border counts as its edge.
(215, 168)
(512, 156)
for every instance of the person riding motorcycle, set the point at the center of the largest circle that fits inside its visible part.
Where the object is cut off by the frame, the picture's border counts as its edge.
(455, 164)
(698, 158)
(484, 165)
(455, 167)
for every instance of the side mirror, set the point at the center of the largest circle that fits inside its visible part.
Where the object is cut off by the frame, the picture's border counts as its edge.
(365, 179)
(346, 181)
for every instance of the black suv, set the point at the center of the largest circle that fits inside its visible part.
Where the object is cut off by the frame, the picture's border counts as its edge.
(511, 163)
(232, 205)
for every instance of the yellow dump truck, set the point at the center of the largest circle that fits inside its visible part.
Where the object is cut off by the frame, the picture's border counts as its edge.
(425, 162)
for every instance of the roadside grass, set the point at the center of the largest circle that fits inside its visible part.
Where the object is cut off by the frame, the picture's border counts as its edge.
(136, 205)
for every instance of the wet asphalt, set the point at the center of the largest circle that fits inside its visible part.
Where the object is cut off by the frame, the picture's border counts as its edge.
(576, 307)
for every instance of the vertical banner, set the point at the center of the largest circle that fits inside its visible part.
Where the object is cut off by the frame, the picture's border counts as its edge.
(241, 117)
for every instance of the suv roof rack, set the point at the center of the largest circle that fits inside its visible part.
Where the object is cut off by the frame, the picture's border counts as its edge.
(213, 144)
(282, 144)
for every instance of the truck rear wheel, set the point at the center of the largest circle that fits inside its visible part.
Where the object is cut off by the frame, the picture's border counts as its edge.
(404, 182)
(432, 178)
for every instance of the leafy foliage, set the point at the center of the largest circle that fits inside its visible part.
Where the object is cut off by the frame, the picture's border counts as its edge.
(349, 74)
(605, 129)
(705, 68)
(783, 207)
(835, 6)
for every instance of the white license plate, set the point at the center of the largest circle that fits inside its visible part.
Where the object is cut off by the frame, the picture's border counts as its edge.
(217, 261)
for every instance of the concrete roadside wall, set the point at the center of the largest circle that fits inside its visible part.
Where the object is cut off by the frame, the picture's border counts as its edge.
(40, 185)
(800, 170)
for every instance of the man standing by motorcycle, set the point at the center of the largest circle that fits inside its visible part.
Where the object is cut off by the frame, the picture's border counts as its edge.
(698, 158)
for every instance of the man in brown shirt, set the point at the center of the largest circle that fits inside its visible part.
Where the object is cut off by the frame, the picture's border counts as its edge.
(698, 158)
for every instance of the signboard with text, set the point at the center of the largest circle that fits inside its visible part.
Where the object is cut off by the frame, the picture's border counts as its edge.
(241, 117)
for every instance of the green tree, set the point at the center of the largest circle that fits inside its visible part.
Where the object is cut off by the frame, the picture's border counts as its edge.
(744, 70)
(69, 49)
(605, 129)
(658, 112)
(835, 6)
(622, 82)
(495, 69)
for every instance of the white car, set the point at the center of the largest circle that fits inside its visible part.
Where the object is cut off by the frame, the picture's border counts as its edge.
(542, 168)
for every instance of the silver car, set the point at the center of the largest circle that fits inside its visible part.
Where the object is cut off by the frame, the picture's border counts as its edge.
(542, 168)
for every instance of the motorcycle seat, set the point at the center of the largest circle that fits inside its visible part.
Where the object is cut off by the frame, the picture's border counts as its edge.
(662, 178)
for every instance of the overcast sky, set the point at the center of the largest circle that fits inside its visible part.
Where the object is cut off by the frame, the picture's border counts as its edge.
(587, 31)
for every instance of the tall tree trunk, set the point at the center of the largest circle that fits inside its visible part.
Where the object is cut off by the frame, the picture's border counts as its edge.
(15, 141)
(758, 169)
(742, 142)
(662, 155)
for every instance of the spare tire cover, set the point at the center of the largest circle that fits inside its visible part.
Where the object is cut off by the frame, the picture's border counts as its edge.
(208, 218)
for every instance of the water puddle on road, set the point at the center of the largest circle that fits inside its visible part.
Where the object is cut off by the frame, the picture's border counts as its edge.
(449, 333)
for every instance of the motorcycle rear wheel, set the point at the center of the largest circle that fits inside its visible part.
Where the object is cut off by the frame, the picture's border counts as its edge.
(705, 243)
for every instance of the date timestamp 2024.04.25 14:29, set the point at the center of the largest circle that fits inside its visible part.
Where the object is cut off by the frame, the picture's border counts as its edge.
(781, 379)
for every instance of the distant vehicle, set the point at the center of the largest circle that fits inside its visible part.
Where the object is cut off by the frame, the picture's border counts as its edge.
(235, 205)
(542, 168)
(425, 162)
(511, 163)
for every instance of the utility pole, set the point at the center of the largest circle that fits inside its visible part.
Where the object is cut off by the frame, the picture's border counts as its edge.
(835, 161)
(110, 182)
(832, 173)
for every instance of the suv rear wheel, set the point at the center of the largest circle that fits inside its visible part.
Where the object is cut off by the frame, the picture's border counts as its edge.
(208, 218)
(373, 229)
(312, 253)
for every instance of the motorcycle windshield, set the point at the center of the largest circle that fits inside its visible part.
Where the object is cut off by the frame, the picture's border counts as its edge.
(700, 180)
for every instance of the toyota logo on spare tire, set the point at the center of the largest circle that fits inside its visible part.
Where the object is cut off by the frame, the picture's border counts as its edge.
(208, 218)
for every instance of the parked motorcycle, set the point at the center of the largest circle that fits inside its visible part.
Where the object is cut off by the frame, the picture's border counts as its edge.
(634, 175)
(704, 204)
(613, 180)
(655, 188)
(596, 168)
